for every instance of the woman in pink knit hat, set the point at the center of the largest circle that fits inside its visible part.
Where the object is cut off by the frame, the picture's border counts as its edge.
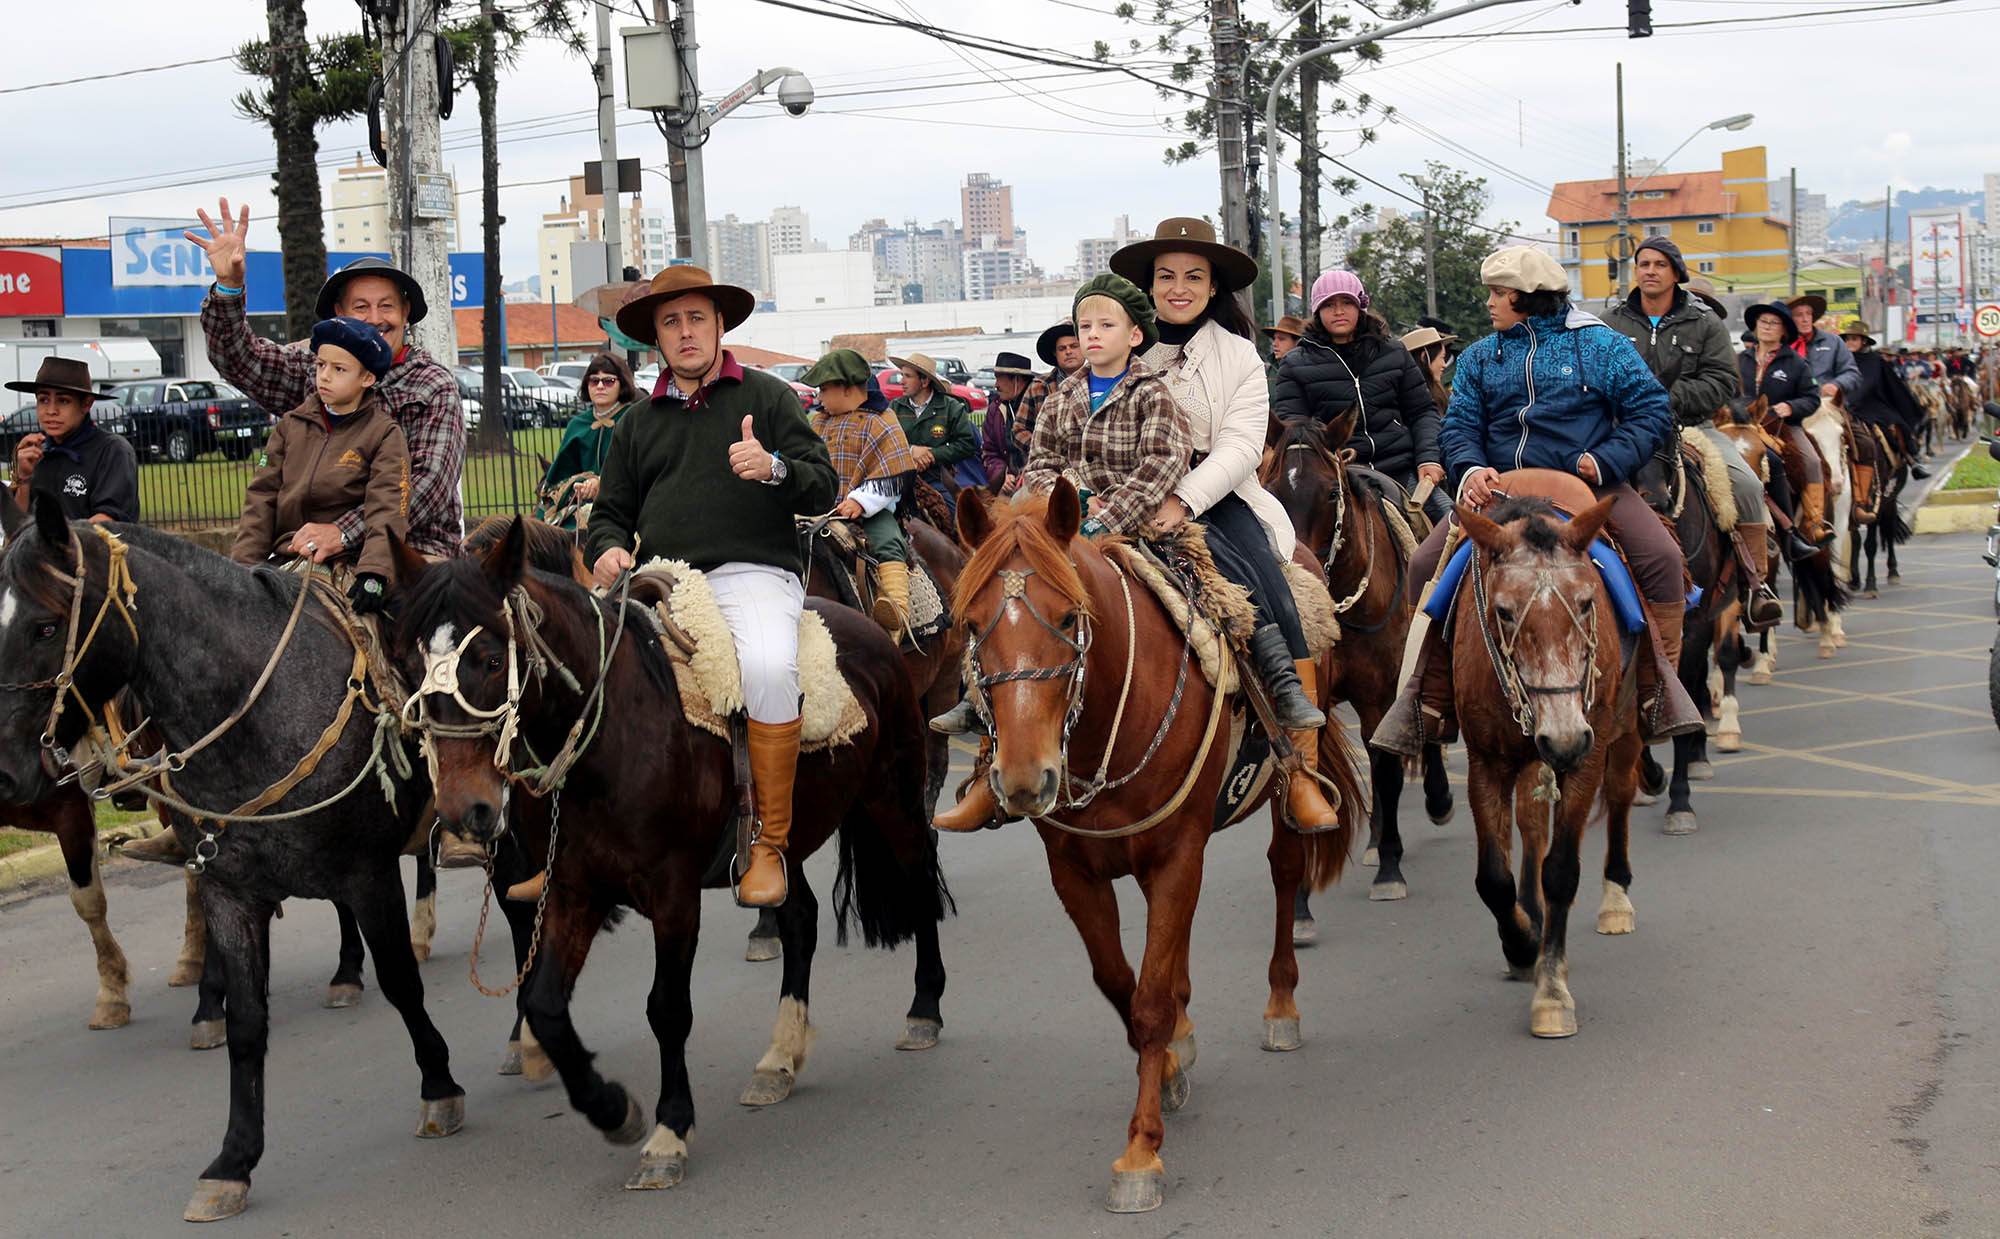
(1348, 359)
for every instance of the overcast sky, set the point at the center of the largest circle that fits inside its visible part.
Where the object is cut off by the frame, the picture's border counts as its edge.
(1855, 101)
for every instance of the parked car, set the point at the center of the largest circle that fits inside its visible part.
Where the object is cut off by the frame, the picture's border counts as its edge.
(952, 370)
(567, 373)
(890, 379)
(22, 422)
(806, 395)
(985, 380)
(790, 371)
(532, 401)
(468, 399)
(180, 419)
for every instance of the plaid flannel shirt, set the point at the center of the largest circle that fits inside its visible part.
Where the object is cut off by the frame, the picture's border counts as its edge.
(1128, 454)
(419, 393)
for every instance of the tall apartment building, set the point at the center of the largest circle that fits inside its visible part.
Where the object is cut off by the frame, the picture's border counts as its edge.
(790, 231)
(741, 253)
(1812, 221)
(990, 267)
(1093, 254)
(921, 264)
(358, 208)
(656, 241)
(987, 207)
(580, 217)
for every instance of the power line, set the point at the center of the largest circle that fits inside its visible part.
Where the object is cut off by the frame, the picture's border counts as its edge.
(103, 77)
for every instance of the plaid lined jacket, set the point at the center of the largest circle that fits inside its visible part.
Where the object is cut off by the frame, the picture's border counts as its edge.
(1128, 454)
(419, 393)
(864, 446)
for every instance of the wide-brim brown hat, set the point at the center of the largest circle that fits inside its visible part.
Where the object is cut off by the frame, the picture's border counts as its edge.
(922, 364)
(635, 317)
(1424, 337)
(1045, 344)
(1233, 268)
(1858, 327)
(1290, 324)
(63, 374)
(1703, 289)
(1817, 302)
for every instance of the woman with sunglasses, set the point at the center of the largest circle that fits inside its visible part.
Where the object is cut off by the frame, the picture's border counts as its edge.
(570, 485)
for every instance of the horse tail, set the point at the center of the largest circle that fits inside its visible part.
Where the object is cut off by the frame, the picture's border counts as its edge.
(1890, 525)
(889, 896)
(1819, 591)
(1328, 851)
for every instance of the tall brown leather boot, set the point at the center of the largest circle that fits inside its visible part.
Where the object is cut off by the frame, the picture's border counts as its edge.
(892, 596)
(1310, 813)
(1761, 609)
(774, 765)
(1812, 512)
(1425, 712)
(1665, 709)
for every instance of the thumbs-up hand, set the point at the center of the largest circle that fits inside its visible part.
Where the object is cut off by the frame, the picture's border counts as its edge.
(748, 457)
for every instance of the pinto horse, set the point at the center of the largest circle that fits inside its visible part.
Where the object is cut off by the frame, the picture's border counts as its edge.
(1539, 682)
(641, 817)
(1883, 518)
(1057, 670)
(1336, 512)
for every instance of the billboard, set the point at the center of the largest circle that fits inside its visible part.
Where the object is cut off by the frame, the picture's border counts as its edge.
(1937, 255)
(31, 281)
(152, 253)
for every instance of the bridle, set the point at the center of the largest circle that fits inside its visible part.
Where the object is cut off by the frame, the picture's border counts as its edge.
(1500, 638)
(120, 592)
(1338, 462)
(1014, 588)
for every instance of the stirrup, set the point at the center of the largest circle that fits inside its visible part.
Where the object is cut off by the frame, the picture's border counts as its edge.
(736, 887)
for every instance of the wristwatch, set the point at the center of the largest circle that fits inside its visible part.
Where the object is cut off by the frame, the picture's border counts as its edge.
(779, 470)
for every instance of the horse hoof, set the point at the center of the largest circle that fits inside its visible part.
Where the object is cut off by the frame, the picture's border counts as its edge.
(208, 1034)
(1552, 1021)
(1729, 741)
(1371, 858)
(1136, 1191)
(1442, 817)
(1281, 1036)
(1895, 578)
(440, 1118)
(767, 1088)
(1826, 649)
(1871, 592)
(1388, 892)
(1760, 676)
(1679, 824)
(535, 1061)
(1614, 921)
(633, 1129)
(184, 974)
(111, 1015)
(1521, 972)
(1185, 1051)
(510, 1062)
(1701, 771)
(1174, 1093)
(422, 950)
(1304, 933)
(919, 1035)
(215, 1199)
(1642, 797)
(338, 996)
(656, 1173)
(761, 950)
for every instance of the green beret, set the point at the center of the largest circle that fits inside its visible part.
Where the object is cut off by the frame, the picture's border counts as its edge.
(1137, 304)
(842, 365)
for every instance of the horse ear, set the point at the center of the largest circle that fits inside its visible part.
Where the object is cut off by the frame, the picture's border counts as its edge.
(11, 517)
(1274, 429)
(1586, 525)
(1065, 514)
(506, 562)
(407, 564)
(1486, 535)
(51, 523)
(1759, 408)
(974, 521)
(1341, 428)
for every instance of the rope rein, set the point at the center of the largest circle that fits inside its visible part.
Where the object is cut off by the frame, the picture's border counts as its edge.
(1500, 638)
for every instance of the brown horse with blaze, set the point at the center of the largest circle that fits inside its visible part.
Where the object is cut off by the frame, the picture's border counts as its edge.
(1056, 626)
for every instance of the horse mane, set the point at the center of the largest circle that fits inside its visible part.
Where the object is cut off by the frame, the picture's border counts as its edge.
(1540, 522)
(550, 547)
(1018, 529)
(1308, 433)
(191, 559)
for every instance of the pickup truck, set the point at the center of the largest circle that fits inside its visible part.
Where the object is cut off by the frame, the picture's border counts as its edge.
(180, 419)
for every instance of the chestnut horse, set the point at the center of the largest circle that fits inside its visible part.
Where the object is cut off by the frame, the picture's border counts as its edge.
(648, 803)
(1336, 512)
(1548, 710)
(1055, 656)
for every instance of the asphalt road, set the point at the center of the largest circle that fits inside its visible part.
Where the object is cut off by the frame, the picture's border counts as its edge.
(1802, 1038)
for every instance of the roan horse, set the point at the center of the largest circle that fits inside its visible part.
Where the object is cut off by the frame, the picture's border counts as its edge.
(514, 663)
(1056, 633)
(1336, 511)
(1539, 680)
(89, 611)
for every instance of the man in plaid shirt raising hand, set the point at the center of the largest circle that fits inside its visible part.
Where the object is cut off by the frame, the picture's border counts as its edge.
(418, 391)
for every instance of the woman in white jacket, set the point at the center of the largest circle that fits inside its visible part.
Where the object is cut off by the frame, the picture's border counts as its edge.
(1207, 353)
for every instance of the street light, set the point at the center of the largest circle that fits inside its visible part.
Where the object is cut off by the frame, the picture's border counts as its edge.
(1739, 121)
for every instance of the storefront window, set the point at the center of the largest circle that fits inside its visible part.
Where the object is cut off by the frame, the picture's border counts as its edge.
(167, 335)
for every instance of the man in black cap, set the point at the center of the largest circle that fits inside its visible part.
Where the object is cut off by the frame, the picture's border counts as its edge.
(91, 473)
(1004, 438)
(419, 393)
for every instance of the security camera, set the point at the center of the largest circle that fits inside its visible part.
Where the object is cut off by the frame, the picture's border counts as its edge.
(795, 94)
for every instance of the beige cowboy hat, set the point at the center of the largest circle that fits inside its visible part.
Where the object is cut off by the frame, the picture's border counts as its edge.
(1290, 324)
(1424, 337)
(922, 364)
(1704, 289)
(635, 317)
(1858, 327)
(1233, 268)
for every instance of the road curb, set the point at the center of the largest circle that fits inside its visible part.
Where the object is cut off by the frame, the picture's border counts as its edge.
(24, 873)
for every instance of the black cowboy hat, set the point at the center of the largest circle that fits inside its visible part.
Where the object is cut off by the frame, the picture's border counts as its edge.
(1752, 313)
(63, 374)
(328, 305)
(1014, 364)
(1233, 268)
(1045, 344)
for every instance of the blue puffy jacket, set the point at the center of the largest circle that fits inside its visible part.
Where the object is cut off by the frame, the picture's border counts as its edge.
(1547, 390)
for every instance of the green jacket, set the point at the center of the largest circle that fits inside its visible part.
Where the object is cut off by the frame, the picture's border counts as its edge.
(667, 481)
(944, 426)
(582, 449)
(1689, 352)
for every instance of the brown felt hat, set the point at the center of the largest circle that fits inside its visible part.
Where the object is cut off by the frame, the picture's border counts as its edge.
(1817, 302)
(635, 317)
(64, 374)
(1233, 268)
(1290, 324)
(1697, 286)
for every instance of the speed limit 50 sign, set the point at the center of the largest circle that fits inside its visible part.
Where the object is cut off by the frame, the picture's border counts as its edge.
(1986, 320)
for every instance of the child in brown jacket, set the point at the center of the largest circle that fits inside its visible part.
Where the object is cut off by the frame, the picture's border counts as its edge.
(337, 451)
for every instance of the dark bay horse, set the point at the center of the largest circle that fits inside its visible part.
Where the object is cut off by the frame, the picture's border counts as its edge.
(1336, 512)
(1883, 519)
(642, 817)
(191, 634)
(1547, 707)
(1058, 666)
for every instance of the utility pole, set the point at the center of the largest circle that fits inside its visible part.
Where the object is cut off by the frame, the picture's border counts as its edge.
(1792, 233)
(1624, 240)
(677, 190)
(1309, 227)
(1937, 292)
(697, 192)
(1888, 271)
(607, 147)
(1430, 257)
(415, 142)
(1225, 28)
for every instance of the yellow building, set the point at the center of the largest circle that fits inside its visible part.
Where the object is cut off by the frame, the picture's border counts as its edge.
(1720, 220)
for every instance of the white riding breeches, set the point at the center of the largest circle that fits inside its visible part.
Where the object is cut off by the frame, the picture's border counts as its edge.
(762, 605)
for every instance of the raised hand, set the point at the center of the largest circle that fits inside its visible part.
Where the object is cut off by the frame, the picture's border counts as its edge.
(224, 246)
(748, 458)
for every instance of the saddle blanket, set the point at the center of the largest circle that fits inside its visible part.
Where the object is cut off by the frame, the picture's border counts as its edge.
(1611, 567)
(928, 615)
(709, 678)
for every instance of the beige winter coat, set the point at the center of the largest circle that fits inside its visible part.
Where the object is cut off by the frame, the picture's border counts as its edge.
(1229, 376)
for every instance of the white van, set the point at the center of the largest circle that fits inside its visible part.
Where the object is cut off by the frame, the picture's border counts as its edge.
(110, 358)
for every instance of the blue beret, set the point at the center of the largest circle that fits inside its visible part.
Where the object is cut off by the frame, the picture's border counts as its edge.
(358, 338)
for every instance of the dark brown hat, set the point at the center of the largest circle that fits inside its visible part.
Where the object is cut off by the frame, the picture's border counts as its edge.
(1045, 344)
(1290, 324)
(1233, 268)
(65, 374)
(1817, 302)
(635, 317)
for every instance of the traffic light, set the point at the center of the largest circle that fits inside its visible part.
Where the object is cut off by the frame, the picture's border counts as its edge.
(1639, 19)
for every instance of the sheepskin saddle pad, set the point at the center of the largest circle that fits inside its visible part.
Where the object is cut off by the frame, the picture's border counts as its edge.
(696, 638)
(854, 564)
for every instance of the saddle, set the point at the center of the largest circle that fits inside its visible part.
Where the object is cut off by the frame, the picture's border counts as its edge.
(854, 572)
(691, 629)
(1406, 519)
(1702, 465)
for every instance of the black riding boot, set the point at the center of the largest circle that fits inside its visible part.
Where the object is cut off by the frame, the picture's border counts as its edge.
(1272, 657)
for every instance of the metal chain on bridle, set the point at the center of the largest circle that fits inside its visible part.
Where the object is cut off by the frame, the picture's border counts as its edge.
(1500, 638)
(119, 591)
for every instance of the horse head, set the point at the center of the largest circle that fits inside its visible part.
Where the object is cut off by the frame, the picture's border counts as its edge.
(1741, 418)
(1546, 619)
(1026, 611)
(68, 641)
(1303, 469)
